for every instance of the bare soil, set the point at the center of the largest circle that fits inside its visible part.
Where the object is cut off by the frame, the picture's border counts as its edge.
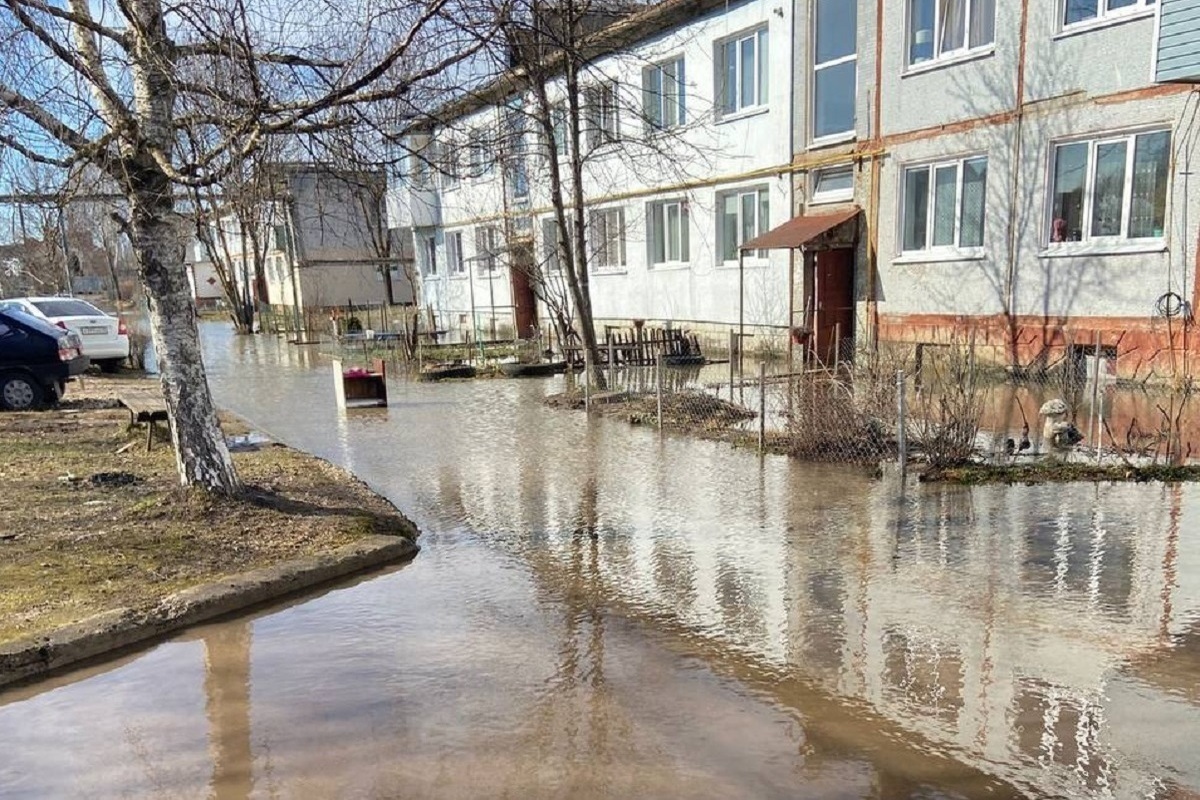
(90, 522)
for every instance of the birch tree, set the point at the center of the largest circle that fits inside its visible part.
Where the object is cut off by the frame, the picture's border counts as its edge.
(118, 84)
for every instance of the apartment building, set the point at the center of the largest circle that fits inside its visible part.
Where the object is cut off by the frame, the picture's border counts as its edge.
(914, 171)
(1034, 192)
(321, 239)
(687, 156)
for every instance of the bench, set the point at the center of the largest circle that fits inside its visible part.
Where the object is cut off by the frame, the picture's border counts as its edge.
(147, 408)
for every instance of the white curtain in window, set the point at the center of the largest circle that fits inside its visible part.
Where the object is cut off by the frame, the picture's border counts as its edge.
(983, 22)
(953, 18)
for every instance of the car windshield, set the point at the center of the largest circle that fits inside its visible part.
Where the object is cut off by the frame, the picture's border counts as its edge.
(67, 308)
(30, 321)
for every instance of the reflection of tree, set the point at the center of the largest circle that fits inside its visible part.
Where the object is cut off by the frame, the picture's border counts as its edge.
(227, 693)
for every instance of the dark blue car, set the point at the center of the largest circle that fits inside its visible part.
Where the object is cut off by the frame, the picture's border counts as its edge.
(36, 360)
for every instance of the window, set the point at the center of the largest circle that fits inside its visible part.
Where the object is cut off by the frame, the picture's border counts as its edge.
(606, 234)
(833, 185)
(663, 95)
(516, 175)
(835, 65)
(943, 205)
(667, 223)
(479, 157)
(600, 105)
(1110, 188)
(742, 72)
(447, 163)
(550, 254)
(429, 253)
(558, 121)
(487, 247)
(948, 28)
(454, 255)
(741, 216)
(1079, 11)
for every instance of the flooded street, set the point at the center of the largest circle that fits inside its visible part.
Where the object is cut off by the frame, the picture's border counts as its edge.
(599, 611)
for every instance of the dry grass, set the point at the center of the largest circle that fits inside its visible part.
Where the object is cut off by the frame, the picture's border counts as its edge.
(71, 547)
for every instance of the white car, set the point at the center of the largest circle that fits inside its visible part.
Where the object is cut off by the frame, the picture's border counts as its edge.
(105, 337)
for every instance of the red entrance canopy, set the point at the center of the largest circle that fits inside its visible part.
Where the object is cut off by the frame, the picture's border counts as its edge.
(799, 231)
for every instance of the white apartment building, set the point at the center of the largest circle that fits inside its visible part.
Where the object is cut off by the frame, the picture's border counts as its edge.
(686, 136)
(1007, 170)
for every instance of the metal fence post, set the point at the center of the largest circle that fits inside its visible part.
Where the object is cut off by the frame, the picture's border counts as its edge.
(587, 380)
(612, 366)
(901, 422)
(1098, 424)
(762, 407)
(658, 364)
(732, 350)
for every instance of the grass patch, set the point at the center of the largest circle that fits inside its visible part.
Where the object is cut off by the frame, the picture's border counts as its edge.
(1050, 472)
(71, 547)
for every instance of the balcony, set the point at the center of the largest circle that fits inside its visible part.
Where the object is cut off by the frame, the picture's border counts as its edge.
(411, 206)
(1178, 52)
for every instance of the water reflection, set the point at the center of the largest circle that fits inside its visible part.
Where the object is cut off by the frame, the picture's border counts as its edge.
(599, 611)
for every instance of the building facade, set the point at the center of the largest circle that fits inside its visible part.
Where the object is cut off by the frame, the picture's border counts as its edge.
(318, 242)
(1008, 171)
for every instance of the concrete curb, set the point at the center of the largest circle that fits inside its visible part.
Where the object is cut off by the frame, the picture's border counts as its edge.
(122, 627)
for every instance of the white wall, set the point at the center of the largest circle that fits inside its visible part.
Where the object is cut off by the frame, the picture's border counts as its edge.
(695, 162)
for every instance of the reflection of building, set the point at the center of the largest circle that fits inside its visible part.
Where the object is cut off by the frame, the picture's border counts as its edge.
(1036, 636)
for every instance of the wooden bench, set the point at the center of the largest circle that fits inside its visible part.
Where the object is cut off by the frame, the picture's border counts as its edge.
(147, 408)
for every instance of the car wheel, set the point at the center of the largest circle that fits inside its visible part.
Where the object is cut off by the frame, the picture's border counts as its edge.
(19, 392)
(110, 365)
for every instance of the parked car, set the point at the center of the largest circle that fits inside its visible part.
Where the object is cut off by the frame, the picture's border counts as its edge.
(105, 337)
(36, 360)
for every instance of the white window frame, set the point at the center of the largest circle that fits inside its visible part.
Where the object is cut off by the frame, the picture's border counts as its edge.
(761, 226)
(455, 266)
(657, 104)
(551, 258)
(1093, 142)
(448, 163)
(602, 110)
(561, 136)
(759, 37)
(479, 160)
(819, 67)
(607, 255)
(657, 214)
(487, 246)
(817, 197)
(939, 55)
(1104, 13)
(429, 264)
(954, 249)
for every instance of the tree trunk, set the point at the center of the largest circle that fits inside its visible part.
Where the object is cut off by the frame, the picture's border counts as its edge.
(201, 454)
(576, 268)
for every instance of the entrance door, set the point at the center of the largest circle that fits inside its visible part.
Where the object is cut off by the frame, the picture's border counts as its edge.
(833, 295)
(524, 300)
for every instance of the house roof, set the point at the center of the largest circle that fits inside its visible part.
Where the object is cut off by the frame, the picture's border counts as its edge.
(799, 231)
(654, 20)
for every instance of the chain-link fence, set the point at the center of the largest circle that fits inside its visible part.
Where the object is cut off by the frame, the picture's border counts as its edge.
(941, 405)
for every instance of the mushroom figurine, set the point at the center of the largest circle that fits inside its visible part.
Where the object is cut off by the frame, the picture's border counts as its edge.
(1060, 435)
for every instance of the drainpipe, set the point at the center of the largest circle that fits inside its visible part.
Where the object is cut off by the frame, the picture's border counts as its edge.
(873, 198)
(1010, 289)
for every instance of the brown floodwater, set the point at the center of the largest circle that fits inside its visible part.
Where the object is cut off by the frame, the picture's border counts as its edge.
(599, 611)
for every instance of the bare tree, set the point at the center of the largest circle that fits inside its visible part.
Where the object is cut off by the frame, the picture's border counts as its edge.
(117, 84)
(583, 120)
